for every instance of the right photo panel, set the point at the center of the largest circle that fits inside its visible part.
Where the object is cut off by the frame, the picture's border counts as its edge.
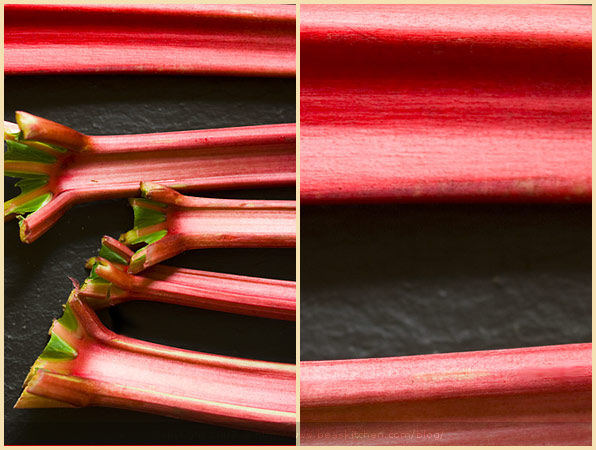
(445, 188)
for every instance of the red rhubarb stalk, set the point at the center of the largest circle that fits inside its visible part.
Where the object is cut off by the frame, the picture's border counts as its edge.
(526, 396)
(61, 167)
(85, 364)
(421, 103)
(241, 40)
(171, 223)
(110, 284)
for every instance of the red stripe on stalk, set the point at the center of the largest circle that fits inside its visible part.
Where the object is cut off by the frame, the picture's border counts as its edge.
(421, 103)
(257, 40)
(475, 398)
(96, 367)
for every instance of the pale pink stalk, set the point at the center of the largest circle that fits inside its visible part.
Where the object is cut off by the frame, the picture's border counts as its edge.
(86, 364)
(172, 223)
(87, 168)
(262, 297)
(526, 396)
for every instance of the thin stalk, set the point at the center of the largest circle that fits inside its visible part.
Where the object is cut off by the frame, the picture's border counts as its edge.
(526, 396)
(85, 364)
(171, 223)
(110, 284)
(67, 167)
(243, 40)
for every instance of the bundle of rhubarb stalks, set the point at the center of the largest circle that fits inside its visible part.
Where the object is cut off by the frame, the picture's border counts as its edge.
(86, 364)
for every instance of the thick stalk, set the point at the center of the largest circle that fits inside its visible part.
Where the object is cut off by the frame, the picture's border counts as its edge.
(539, 395)
(171, 223)
(244, 40)
(88, 168)
(427, 103)
(85, 364)
(261, 297)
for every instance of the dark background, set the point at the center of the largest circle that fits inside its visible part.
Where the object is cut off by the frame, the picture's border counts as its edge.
(393, 280)
(36, 275)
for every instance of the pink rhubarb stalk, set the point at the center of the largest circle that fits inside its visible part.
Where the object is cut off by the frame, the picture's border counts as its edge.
(85, 364)
(255, 40)
(110, 284)
(61, 167)
(425, 103)
(171, 223)
(526, 396)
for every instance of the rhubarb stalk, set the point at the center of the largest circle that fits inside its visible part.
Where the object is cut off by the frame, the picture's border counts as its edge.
(110, 284)
(425, 103)
(171, 223)
(526, 396)
(245, 40)
(85, 364)
(61, 167)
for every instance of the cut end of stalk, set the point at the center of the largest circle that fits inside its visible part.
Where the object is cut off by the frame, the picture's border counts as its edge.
(27, 123)
(11, 131)
(159, 193)
(114, 251)
(37, 128)
(57, 357)
(28, 401)
(156, 379)
(90, 262)
(149, 222)
(138, 261)
(26, 204)
(96, 291)
(25, 232)
(34, 163)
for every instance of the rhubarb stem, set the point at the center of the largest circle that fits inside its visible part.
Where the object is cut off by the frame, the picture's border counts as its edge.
(492, 397)
(85, 364)
(180, 223)
(241, 40)
(77, 168)
(110, 284)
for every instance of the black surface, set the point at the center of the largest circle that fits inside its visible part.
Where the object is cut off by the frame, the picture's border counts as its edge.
(393, 280)
(36, 275)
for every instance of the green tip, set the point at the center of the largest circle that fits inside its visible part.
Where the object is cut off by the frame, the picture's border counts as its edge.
(68, 320)
(148, 213)
(137, 262)
(36, 203)
(111, 255)
(17, 151)
(27, 202)
(93, 277)
(58, 349)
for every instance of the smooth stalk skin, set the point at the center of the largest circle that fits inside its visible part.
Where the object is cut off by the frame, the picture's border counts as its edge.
(171, 223)
(445, 103)
(110, 284)
(242, 40)
(85, 364)
(61, 167)
(526, 396)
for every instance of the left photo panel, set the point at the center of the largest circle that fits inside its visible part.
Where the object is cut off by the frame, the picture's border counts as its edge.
(150, 224)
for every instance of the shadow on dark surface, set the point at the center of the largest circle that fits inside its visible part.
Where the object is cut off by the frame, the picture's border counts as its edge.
(103, 426)
(204, 331)
(36, 275)
(391, 280)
